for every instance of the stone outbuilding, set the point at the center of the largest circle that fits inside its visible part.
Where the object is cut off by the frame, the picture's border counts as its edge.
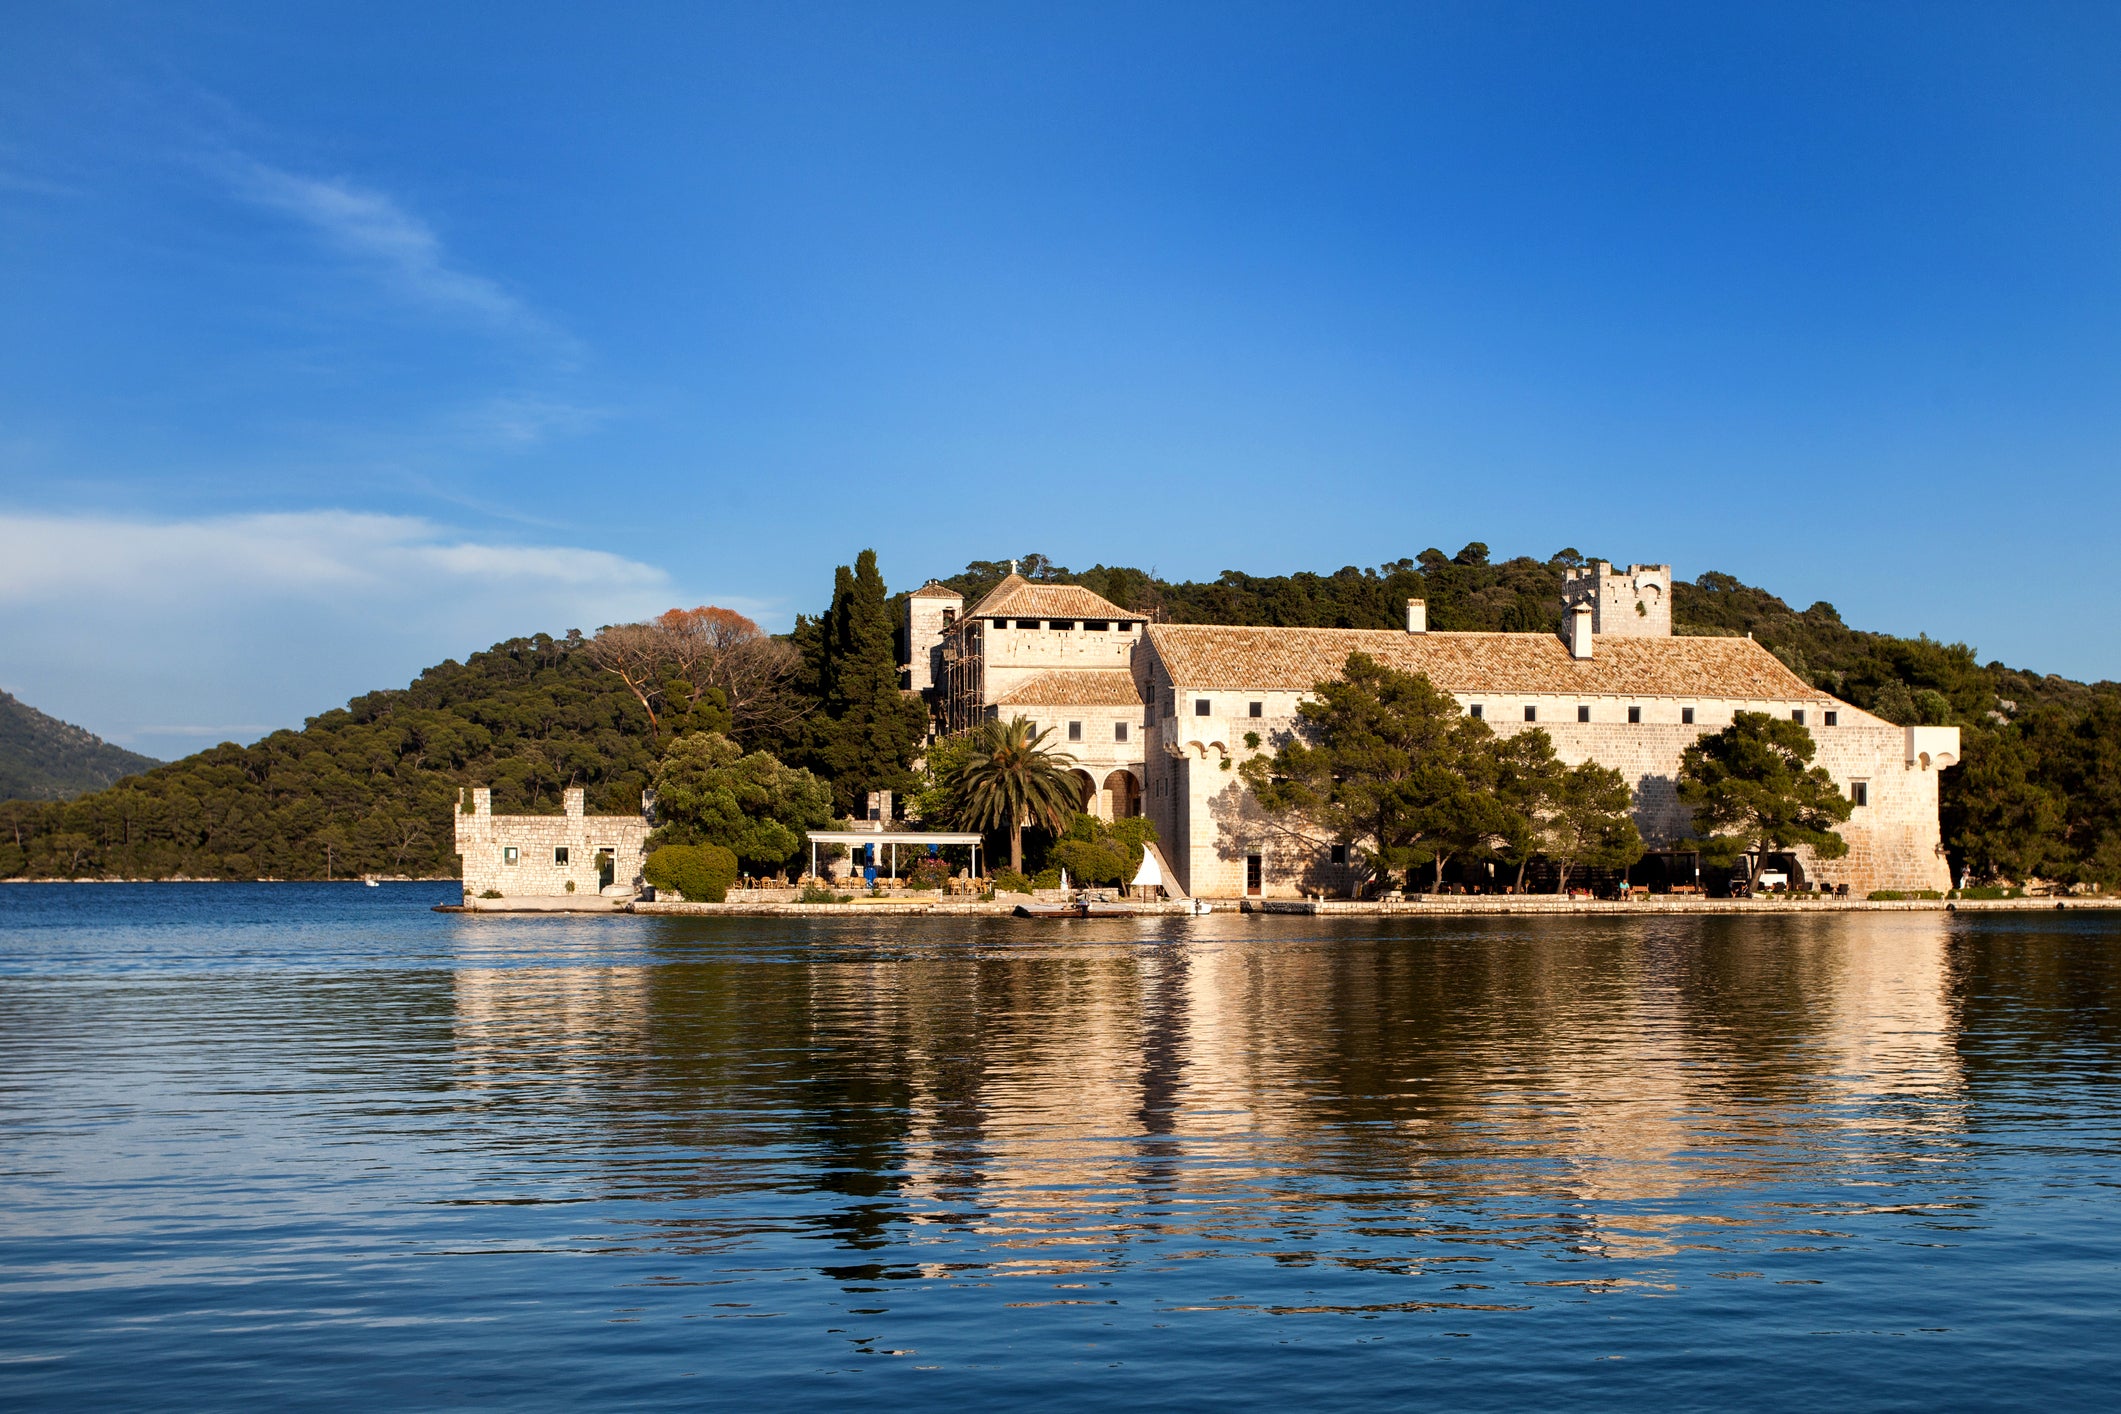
(550, 856)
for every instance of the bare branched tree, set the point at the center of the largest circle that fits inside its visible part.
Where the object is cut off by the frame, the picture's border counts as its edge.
(638, 655)
(715, 648)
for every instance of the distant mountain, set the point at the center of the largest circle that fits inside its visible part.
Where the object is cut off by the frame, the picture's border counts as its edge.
(43, 758)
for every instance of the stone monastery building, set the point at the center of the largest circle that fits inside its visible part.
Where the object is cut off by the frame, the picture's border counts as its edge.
(1157, 716)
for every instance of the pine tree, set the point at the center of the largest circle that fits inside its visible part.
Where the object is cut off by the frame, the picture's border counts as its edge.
(872, 729)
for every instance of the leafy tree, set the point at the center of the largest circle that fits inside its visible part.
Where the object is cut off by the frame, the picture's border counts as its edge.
(1094, 852)
(701, 872)
(1009, 775)
(1528, 777)
(2003, 824)
(1590, 823)
(710, 791)
(1380, 759)
(871, 730)
(1754, 791)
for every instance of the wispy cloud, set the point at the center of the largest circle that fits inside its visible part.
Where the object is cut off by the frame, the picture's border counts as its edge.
(375, 231)
(128, 625)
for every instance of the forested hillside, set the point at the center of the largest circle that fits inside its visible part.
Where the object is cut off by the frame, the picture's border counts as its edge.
(43, 758)
(370, 787)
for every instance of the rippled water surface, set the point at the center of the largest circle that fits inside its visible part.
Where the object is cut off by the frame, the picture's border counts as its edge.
(316, 1145)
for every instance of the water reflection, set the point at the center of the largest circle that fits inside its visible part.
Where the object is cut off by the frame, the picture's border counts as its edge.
(1006, 1101)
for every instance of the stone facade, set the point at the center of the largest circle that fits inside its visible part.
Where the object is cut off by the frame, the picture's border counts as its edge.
(1188, 703)
(1631, 603)
(1059, 656)
(539, 856)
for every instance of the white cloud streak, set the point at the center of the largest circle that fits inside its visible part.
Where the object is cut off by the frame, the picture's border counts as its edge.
(126, 626)
(371, 229)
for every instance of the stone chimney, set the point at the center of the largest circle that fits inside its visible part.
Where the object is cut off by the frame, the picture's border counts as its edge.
(1417, 616)
(1579, 631)
(482, 801)
(572, 799)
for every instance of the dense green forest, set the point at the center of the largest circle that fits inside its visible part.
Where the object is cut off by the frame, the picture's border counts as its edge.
(370, 787)
(43, 758)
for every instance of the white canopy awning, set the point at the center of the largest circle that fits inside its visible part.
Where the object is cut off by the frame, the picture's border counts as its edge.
(899, 837)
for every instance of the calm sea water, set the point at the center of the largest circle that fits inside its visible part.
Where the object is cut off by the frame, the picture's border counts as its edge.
(314, 1145)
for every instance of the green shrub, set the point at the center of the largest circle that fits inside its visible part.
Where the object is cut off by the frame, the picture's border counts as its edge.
(1047, 878)
(1902, 895)
(813, 893)
(1094, 852)
(1252, 741)
(928, 873)
(701, 872)
(491, 893)
(570, 886)
(1987, 891)
(1008, 881)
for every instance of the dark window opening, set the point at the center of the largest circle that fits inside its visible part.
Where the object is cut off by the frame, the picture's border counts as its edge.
(1634, 714)
(1686, 716)
(508, 854)
(1062, 624)
(1075, 731)
(1027, 623)
(1531, 714)
(949, 617)
(1095, 625)
(1474, 710)
(559, 854)
(1340, 854)
(1583, 714)
(1256, 709)
(1200, 706)
(1797, 716)
(1859, 792)
(1119, 731)
(1833, 719)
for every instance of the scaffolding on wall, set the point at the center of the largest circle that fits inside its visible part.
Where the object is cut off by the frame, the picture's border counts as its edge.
(964, 677)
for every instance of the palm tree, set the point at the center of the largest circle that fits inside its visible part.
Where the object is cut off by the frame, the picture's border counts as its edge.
(1009, 775)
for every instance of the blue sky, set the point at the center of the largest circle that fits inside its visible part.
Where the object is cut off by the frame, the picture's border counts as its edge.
(335, 342)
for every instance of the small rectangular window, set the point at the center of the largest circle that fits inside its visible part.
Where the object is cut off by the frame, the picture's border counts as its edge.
(508, 854)
(1340, 854)
(1531, 714)
(1200, 706)
(1860, 792)
(559, 854)
(1256, 709)
(1833, 718)
(1075, 731)
(949, 617)
(1027, 623)
(1686, 715)
(1474, 710)
(1062, 624)
(1095, 625)
(1797, 716)
(1119, 731)
(1634, 715)
(1001, 623)
(1583, 713)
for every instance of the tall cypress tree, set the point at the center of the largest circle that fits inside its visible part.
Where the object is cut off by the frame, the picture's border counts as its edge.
(873, 730)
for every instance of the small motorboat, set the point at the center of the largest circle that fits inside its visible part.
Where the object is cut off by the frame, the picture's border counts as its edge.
(1081, 906)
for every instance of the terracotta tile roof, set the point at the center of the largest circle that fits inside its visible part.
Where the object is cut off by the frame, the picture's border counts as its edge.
(1069, 687)
(932, 590)
(1526, 664)
(1017, 597)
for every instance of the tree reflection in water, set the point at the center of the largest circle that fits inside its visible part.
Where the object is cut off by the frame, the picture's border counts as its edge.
(979, 1099)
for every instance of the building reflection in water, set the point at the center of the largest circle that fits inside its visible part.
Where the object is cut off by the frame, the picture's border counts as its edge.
(1019, 1100)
